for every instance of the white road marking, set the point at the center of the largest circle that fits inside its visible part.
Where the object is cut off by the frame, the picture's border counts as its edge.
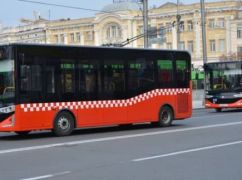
(210, 116)
(71, 143)
(48, 176)
(187, 151)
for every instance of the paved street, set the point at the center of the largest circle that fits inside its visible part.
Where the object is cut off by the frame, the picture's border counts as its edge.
(205, 147)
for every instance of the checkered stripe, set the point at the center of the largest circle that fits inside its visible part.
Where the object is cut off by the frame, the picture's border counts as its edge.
(37, 107)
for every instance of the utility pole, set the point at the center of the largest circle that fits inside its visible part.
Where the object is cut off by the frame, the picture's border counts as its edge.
(203, 31)
(204, 43)
(145, 18)
(178, 18)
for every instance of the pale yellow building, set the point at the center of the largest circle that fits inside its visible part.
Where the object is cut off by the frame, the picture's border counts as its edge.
(121, 21)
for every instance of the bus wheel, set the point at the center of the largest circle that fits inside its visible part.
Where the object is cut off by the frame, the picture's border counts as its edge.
(218, 109)
(64, 124)
(165, 116)
(22, 133)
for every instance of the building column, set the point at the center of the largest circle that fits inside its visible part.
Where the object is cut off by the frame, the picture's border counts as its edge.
(198, 40)
(65, 38)
(174, 38)
(97, 36)
(133, 26)
(82, 38)
(228, 36)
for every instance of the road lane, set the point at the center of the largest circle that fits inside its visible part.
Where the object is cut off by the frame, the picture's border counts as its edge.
(187, 151)
(95, 157)
(200, 118)
(73, 143)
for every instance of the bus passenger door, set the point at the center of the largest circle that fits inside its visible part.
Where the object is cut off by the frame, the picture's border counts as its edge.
(88, 84)
(113, 92)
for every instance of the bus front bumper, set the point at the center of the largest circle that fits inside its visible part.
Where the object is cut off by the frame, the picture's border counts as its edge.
(237, 104)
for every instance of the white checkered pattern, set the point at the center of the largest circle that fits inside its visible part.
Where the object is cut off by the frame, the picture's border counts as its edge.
(36, 107)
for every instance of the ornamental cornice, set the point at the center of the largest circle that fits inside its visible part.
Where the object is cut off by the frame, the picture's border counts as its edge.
(72, 26)
(193, 11)
(101, 17)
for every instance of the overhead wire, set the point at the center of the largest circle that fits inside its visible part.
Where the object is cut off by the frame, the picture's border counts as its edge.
(150, 33)
(66, 6)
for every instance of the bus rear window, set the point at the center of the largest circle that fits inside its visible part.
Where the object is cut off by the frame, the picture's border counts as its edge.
(182, 73)
(165, 70)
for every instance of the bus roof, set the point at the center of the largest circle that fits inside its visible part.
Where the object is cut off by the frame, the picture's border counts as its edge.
(99, 47)
(223, 62)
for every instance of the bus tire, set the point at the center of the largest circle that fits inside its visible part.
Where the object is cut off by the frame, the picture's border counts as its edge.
(218, 109)
(165, 116)
(22, 133)
(64, 124)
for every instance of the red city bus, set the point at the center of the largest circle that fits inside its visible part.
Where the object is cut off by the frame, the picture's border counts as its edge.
(60, 88)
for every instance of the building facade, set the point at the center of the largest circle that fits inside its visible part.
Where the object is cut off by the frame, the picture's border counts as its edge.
(122, 23)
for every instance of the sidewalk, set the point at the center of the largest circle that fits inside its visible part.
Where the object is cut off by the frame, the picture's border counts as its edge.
(197, 104)
(197, 99)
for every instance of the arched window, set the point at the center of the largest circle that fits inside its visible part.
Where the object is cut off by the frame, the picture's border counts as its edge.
(113, 31)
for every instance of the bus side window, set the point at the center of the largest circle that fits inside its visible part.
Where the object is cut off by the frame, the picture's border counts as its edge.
(114, 78)
(165, 70)
(87, 80)
(182, 73)
(68, 77)
(25, 75)
(50, 79)
(31, 78)
(141, 75)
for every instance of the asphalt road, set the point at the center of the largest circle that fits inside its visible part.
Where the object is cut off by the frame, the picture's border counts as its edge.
(207, 146)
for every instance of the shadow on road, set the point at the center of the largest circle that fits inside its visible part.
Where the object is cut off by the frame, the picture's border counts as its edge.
(86, 131)
(227, 111)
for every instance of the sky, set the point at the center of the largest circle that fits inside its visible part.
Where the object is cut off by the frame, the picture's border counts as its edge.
(11, 11)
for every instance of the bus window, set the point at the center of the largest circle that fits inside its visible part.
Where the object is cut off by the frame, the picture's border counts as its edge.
(67, 76)
(50, 79)
(114, 78)
(31, 76)
(165, 77)
(141, 75)
(182, 73)
(88, 79)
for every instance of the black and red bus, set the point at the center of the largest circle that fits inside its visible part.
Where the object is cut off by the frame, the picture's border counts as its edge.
(60, 88)
(223, 85)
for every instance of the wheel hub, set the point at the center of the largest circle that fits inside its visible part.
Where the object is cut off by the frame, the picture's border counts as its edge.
(165, 116)
(63, 123)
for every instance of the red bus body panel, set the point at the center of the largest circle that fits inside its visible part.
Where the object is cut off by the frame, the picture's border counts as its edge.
(138, 109)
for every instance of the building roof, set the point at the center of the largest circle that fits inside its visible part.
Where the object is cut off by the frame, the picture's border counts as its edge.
(168, 4)
(122, 6)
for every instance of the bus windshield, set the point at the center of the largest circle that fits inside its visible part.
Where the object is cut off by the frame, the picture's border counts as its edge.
(7, 87)
(224, 77)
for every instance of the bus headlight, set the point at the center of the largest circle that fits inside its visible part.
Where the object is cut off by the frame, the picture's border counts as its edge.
(10, 122)
(238, 95)
(208, 96)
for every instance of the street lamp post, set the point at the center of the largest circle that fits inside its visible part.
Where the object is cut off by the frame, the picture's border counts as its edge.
(204, 43)
(145, 15)
(203, 31)
(178, 18)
